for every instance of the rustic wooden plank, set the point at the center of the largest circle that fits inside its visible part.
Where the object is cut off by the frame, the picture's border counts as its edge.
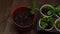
(3, 14)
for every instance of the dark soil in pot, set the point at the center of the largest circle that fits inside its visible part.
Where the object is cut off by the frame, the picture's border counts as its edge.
(47, 11)
(24, 18)
(48, 26)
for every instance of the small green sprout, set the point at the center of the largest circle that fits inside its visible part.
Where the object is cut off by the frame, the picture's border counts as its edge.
(34, 5)
(43, 24)
(45, 21)
(57, 11)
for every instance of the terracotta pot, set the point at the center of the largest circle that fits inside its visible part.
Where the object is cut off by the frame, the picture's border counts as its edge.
(27, 27)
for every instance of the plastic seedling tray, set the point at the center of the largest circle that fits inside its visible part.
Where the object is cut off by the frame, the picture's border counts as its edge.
(40, 17)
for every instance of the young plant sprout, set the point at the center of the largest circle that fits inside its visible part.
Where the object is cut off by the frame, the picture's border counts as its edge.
(57, 11)
(32, 7)
(47, 10)
(50, 12)
(43, 25)
(47, 23)
(32, 11)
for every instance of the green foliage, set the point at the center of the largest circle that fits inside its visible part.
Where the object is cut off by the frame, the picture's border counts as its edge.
(51, 11)
(46, 20)
(57, 11)
(43, 24)
(32, 11)
(34, 5)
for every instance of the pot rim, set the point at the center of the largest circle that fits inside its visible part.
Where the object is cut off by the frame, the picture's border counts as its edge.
(55, 24)
(34, 19)
(45, 29)
(57, 16)
(45, 6)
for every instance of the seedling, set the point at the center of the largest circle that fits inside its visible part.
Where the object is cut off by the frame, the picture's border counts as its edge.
(45, 21)
(57, 11)
(43, 25)
(32, 7)
(50, 12)
(49, 9)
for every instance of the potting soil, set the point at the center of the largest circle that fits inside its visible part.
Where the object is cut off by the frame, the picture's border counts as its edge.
(24, 18)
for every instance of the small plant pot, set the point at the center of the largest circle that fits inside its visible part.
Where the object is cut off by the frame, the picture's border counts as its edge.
(57, 24)
(47, 10)
(57, 11)
(23, 19)
(46, 23)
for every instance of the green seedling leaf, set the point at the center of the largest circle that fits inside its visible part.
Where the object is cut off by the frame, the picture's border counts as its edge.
(34, 5)
(45, 21)
(32, 11)
(49, 12)
(44, 25)
(59, 13)
(49, 20)
(58, 10)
